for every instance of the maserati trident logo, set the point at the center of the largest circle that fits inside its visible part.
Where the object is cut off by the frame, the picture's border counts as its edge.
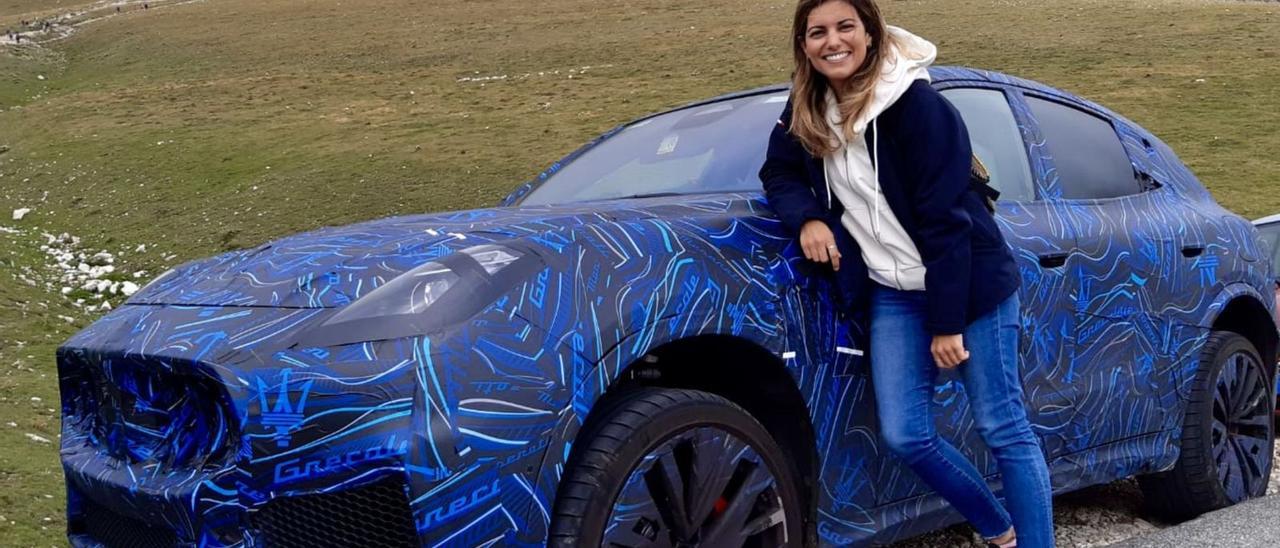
(284, 415)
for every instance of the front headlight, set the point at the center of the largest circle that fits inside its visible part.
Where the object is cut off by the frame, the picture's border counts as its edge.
(434, 295)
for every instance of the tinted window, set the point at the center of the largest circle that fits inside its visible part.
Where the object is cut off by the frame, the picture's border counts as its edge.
(996, 140)
(717, 147)
(1269, 237)
(1089, 158)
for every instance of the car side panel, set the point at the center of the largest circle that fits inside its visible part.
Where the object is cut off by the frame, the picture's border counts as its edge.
(631, 285)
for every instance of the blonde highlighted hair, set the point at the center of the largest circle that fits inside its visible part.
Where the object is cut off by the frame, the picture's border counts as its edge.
(809, 87)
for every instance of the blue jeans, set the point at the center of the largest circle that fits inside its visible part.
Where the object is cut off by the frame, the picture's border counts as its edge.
(904, 372)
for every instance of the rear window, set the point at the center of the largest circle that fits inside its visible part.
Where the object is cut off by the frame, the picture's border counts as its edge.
(1090, 160)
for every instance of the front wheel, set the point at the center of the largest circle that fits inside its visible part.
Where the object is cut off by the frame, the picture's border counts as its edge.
(1228, 434)
(667, 467)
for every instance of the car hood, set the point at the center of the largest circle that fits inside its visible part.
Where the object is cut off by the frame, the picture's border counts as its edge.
(332, 267)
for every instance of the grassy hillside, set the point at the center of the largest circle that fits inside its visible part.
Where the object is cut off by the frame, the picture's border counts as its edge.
(200, 127)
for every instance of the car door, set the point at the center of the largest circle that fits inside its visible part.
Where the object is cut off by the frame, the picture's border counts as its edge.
(1041, 244)
(826, 349)
(1130, 236)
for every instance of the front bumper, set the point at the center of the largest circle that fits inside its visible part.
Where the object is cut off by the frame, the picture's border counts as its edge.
(208, 426)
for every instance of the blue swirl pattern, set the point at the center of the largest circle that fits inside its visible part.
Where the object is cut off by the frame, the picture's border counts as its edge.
(197, 404)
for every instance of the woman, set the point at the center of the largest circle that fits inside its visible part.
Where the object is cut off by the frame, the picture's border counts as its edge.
(870, 166)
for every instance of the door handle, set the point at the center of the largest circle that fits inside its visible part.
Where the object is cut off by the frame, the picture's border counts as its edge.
(1053, 260)
(1192, 251)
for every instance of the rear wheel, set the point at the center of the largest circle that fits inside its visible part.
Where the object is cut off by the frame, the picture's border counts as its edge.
(1228, 434)
(668, 467)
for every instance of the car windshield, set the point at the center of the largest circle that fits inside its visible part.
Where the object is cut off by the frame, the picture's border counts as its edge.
(716, 147)
(1269, 234)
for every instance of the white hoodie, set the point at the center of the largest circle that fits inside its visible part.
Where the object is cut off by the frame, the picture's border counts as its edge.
(891, 257)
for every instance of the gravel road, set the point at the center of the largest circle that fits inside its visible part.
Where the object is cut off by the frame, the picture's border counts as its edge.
(1097, 516)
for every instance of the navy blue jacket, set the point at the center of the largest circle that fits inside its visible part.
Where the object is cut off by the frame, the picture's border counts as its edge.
(925, 158)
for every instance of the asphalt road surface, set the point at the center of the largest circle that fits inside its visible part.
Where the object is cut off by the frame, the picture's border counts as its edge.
(1247, 525)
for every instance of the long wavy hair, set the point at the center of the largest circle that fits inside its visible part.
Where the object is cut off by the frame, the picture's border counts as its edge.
(809, 87)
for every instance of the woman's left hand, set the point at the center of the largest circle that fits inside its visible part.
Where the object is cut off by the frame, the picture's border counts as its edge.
(948, 350)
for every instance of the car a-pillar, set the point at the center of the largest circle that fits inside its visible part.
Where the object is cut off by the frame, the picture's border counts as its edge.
(730, 370)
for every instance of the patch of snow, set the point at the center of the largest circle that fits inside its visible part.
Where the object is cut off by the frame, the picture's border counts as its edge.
(21, 212)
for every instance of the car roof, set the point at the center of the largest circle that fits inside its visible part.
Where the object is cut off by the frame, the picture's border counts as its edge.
(938, 74)
(946, 76)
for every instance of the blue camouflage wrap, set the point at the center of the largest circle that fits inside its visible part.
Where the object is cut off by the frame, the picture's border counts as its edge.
(209, 396)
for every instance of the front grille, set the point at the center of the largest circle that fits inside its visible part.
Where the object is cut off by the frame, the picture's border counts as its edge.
(117, 531)
(371, 516)
(140, 410)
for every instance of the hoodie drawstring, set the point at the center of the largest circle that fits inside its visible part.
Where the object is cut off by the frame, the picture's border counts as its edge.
(875, 174)
(827, 180)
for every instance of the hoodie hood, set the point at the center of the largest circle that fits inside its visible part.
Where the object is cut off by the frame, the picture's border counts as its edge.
(909, 60)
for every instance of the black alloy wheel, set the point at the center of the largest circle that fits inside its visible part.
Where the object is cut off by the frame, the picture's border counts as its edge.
(1228, 434)
(677, 468)
(1241, 429)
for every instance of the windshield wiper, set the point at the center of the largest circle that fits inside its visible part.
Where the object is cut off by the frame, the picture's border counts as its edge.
(649, 195)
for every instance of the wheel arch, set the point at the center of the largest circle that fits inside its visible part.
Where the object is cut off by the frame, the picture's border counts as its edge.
(1241, 309)
(770, 393)
(715, 363)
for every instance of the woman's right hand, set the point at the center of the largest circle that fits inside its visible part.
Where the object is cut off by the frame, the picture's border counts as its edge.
(819, 243)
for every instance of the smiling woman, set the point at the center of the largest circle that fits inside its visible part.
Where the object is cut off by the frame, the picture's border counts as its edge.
(892, 156)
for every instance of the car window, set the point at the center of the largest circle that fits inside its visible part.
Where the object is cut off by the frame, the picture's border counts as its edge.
(995, 138)
(1090, 161)
(717, 147)
(1269, 237)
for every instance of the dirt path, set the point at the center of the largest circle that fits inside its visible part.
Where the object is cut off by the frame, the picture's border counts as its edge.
(41, 29)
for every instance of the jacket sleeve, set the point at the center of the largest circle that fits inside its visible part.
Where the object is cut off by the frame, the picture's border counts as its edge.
(938, 156)
(785, 178)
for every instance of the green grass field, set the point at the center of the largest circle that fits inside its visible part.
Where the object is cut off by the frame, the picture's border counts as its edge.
(199, 127)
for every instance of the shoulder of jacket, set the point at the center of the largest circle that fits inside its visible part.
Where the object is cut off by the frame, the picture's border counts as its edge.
(921, 103)
(919, 94)
(784, 119)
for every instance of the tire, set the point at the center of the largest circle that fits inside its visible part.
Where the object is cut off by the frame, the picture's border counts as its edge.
(653, 443)
(1228, 434)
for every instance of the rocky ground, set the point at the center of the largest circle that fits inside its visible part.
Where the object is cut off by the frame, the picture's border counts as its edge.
(91, 280)
(1093, 517)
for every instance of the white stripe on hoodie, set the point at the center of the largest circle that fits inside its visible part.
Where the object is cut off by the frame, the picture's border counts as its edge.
(891, 257)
